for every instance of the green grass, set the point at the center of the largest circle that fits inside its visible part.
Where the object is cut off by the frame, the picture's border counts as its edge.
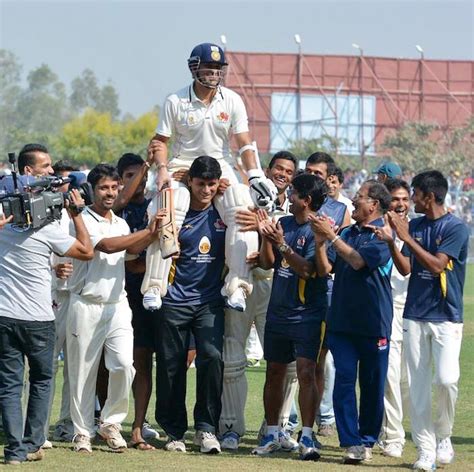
(61, 457)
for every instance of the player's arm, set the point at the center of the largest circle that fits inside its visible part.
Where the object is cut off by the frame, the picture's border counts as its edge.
(246, 151)
(158, 148)
(321, 261)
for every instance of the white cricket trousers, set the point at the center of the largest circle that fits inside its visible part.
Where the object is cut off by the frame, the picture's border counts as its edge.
(91, 329)
(426, 345)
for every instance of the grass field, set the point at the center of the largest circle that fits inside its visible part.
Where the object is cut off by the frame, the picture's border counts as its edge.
(61, 457)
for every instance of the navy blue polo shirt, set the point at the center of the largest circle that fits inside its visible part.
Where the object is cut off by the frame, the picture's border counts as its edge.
(293, 299)
(196, 277)
(362, 299)
(433, 297)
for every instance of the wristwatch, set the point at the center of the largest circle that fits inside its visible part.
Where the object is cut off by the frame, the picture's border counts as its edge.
(284, 248)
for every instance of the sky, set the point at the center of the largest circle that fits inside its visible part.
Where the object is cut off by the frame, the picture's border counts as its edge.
(141, 47)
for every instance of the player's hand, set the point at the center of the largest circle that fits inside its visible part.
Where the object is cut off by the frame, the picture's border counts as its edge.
(262, 221)
(274, 232)
(247, 220)
(4, 221)
(263, 192)
(76, 203)
(181, 175)
(321, 226)
(163, 179)
(384, 233)
(399, 224)
(252, 259)
(224, 184)
(63, 270)
(155, 146)
(154, 224)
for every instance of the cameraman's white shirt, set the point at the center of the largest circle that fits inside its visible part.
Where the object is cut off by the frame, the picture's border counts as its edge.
(101, 280)
(25, 270)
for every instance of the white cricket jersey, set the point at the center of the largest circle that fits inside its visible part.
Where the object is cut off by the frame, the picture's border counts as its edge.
(399, 282)
(101, 280)
(200, 129)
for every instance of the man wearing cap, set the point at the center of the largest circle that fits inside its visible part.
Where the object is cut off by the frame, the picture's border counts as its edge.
(388, 170)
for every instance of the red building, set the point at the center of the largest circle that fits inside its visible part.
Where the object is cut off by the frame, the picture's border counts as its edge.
(357, 99)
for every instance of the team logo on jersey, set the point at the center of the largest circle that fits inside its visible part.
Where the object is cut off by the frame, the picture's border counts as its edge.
(216, 55)
(382, 344)
(204, 245)
(191, 120)
(438, 240)
(285, 264)
(300, 242)
(223, 117)
(219, 225)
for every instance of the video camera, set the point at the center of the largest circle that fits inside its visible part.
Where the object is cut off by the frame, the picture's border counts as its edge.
(35, 202)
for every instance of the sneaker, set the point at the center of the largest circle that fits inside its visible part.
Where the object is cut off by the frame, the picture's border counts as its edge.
(425, 462)
(368, 454)
(207, 441)
(394, 449)
(175, 445)
(152, 299)
(111, 434)
(230, 440)
(35, 456)
(354, 455)
(47, 444)
(268, 444)
(237, 300)
(12, 462)
(149, 433)
(327, 430)
(307, 449)
(64, 431)
(288, 444)
(444, 451)
(82, 443)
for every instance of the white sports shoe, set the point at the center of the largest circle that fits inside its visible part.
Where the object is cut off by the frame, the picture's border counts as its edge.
(237, 300)
(152, 299)
(444, 451)
(230, 440)
(149, 433)
(175, 445)
(111, 434)
(47, 444)
(268, 444)
(425, 462)
(208, 442)
(394, 449)
(288, 444)
(354, 455)
(82, 443)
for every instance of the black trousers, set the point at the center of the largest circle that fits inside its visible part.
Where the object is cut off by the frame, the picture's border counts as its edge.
(173, 329)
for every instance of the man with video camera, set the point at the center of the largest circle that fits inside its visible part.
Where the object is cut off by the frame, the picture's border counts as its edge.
(27, 319)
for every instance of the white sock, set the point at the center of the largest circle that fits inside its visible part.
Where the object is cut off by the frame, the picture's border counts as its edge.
(273, 430)
(307, 431)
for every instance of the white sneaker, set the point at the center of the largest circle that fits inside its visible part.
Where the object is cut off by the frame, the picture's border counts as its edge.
(425, 462)
(111, 434)
(444, 451)
(82, 443)
(237, 300)
(230, 440)
(354, 455)
(207, 441)
(47, 444)
(152, 299)
(394, 449)
(175, 445)
(268, 444)
(367, 454)
(288, 444)
(149, 433)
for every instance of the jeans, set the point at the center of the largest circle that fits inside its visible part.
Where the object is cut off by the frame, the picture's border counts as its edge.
(35, 340)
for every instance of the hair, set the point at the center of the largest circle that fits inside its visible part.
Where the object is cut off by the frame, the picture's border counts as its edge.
(395, 184)
(27, 156)
(127, 160)
(336, 171)
(378, 191)
(205, 167)
(308, 185)
(431, 181)
(100, 171)
(64, 165)
(287, 155)
(320, 157)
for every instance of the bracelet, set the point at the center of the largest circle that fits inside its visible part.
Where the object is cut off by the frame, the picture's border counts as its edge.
(334, 240)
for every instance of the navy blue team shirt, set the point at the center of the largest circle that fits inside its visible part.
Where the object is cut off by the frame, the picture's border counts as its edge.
(197, 275)
(293, 299)
(362, 299)
(431, 297)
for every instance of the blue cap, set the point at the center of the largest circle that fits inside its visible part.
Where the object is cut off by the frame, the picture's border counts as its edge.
(390, 169)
